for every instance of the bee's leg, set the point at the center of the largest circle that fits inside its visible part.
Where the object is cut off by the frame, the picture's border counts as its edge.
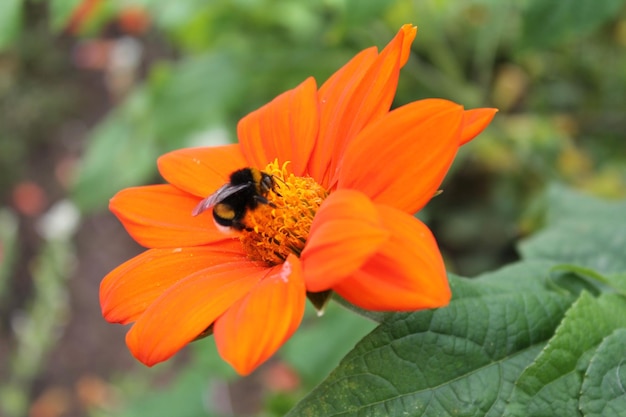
(240, 225)
(263, 200)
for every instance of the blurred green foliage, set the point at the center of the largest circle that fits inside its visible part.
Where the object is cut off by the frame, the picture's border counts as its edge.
(556, 70)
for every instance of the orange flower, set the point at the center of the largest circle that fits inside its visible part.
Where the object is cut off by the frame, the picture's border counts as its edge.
(348, 175)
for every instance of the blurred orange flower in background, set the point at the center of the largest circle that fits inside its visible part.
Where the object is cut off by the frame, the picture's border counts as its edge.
(131, 18)
(349, 175)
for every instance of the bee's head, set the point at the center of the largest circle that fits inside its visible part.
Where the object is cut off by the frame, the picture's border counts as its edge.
(267, 183)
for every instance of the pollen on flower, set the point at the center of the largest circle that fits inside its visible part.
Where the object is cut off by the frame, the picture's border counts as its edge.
(275, 230)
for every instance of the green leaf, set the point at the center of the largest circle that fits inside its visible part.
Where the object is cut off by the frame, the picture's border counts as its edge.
(590, 244)
(603, 389)
(614, 282)
(10, 22)
(121, 153)
(566, 205)
(582, 231)
(617, 281)
(193, 95)
(552, 384)
(549, 22)
(528, 275)
(313, 353)
(458, 360)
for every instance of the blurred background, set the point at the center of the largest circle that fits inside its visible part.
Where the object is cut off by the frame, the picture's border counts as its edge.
(93, 91)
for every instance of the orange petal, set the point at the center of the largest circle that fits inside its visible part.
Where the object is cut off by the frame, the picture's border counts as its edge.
(409, 35)
(359, 93)
(188, 307)
(201, 171)
(407, 274)
(401, 159)
(334, 98)
(475, 121)
(346, 231)
(256, 326)
(285, 128)
(129, 289)
(159, 216)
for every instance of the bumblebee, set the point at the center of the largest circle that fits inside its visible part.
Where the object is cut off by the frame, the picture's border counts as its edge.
(248, 187)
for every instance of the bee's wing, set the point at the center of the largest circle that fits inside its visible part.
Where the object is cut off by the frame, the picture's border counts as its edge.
(225, 191)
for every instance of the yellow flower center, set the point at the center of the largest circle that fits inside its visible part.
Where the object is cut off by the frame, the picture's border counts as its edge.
(275, 230)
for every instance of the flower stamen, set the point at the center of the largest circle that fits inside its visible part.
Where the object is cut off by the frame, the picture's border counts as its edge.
(275, 230)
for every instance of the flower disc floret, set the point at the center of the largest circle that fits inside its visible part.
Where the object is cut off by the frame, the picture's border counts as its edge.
(280, 228)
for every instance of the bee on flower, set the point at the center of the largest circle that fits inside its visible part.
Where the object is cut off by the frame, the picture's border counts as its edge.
(317, 197)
